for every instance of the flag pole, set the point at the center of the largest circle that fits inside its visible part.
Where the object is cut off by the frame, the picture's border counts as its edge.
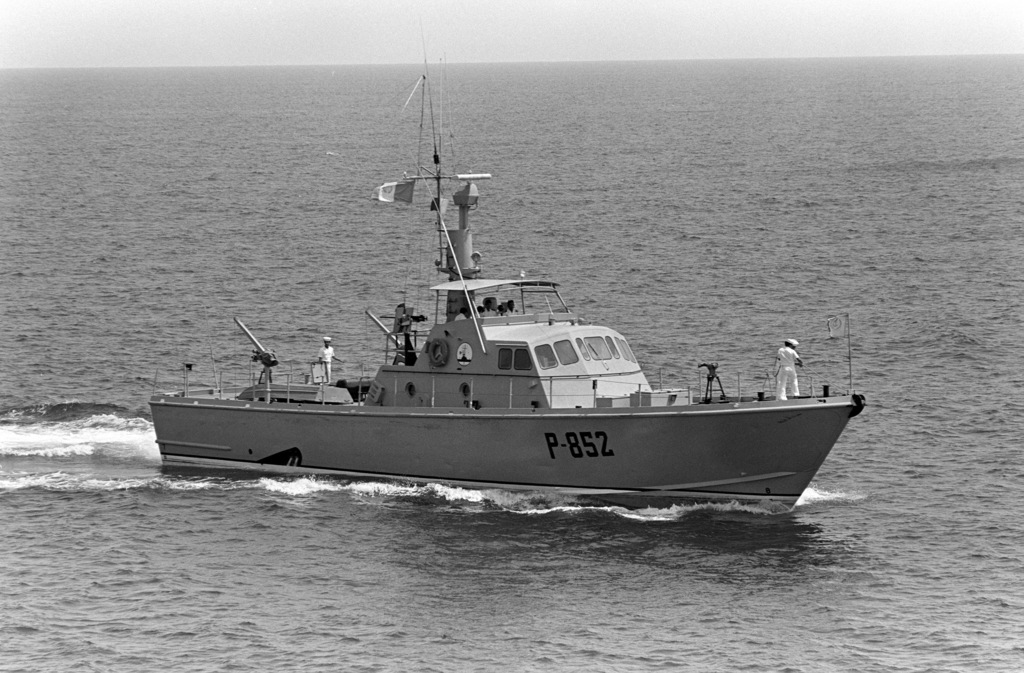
(849, 352)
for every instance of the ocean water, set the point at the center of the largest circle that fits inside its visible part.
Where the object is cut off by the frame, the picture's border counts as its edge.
(707, 210)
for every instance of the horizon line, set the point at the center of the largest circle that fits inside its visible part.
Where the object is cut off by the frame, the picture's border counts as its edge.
(539, 62)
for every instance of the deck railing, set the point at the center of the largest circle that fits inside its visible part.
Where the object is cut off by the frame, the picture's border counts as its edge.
(555, 392)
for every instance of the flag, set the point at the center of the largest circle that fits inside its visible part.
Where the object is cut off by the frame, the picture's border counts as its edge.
(444, 205)
(390, 192)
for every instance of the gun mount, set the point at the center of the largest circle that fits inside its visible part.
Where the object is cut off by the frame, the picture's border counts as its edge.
(712, 378)
(259, 353)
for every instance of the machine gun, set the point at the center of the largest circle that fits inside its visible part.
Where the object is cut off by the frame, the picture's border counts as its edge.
(712, 377)
(404, 318)
(259, 353)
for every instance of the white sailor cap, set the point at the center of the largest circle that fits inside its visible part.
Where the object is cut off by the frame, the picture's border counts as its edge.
(326, 338)
(792, 342)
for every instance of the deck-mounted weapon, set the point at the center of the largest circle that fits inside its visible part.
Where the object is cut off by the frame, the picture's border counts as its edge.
(259, 353)
(712, 377)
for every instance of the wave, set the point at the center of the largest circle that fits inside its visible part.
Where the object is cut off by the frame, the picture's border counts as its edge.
(301, 486)
(905, 166)
(671, 513)
(61, 481)
(812, 495)
(487, 500)
(107, 434)
(66, 481)
(142, 479)
(536, 503)
(60, 412)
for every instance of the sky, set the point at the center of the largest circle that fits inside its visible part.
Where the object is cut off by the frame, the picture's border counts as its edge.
(146, 33)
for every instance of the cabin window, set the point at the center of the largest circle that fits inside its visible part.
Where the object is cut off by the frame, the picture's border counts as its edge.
(545, 356)
(566, 353)
(611, 346)
(521, 360)
(583, 348)
(598, 348)
(504, 358)
(626, 352)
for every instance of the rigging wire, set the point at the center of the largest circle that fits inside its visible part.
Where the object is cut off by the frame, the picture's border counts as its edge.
(440, 113)
(429, 100)
(209, 343)
(423, 119)
(397, 98)
(415, 88)
(451, 115)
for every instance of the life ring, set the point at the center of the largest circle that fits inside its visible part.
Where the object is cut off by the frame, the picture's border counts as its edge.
(438, 350)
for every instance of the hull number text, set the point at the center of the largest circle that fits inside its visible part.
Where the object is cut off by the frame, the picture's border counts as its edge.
(580, 444)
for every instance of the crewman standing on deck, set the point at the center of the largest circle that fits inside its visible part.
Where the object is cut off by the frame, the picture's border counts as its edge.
(326, 356)
(788, 360)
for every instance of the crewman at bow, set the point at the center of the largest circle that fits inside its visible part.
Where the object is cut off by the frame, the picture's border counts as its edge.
(788, 360)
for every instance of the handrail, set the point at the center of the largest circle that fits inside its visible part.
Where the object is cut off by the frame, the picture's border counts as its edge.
(557, 391)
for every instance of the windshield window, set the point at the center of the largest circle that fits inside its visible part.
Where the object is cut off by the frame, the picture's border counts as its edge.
(626, 351)
(598, 348)
(566, 353)
(583, 348)
(611, 345)
(545, 356)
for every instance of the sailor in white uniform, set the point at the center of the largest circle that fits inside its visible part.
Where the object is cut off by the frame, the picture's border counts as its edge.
(326, 356)
(788, 360)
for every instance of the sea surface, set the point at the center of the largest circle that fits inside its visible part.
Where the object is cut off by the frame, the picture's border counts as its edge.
(708, 210)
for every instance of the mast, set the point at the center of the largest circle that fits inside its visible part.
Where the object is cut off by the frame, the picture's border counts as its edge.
(461, 255)
(461, 261)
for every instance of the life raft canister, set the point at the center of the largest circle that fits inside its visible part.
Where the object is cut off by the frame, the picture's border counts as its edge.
(437, 351)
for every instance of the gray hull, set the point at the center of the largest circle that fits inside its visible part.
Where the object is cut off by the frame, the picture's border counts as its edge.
(751, 451)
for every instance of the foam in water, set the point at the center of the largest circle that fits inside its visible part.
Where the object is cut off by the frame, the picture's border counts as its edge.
(174, 484)
(517, 502)
(122, 437)
(303, 486)
(671, 513)
(83, 482)
(533, 503)
(378, 489)
(69, 481)
(813, 495)
(51, 481)
(372, 489)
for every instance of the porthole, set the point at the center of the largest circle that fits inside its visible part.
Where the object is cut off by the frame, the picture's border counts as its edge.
(410, 388)
(464, 389)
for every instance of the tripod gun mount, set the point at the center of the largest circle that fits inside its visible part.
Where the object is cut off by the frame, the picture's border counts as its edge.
(712, 377)
(259, 353)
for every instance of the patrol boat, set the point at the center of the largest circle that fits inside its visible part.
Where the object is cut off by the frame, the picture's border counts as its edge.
(507, 387)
